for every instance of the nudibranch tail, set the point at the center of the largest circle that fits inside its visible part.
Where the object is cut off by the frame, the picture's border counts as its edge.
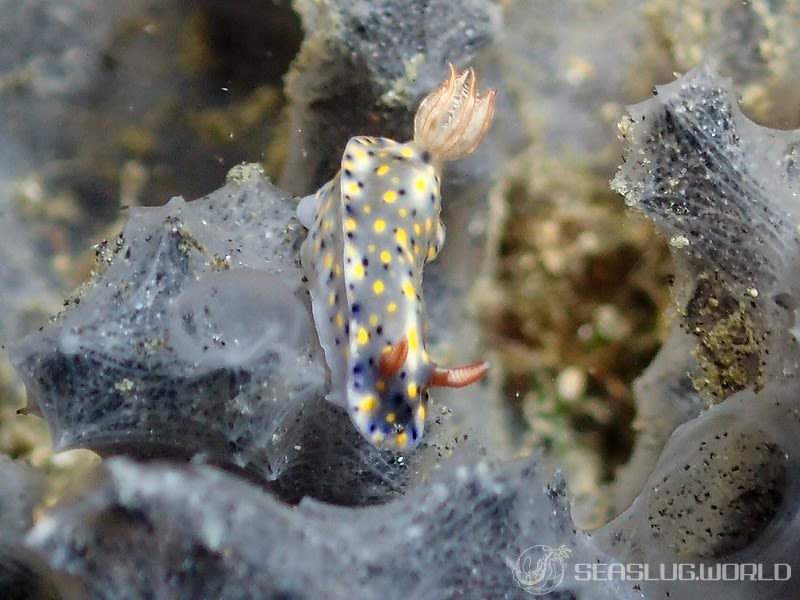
(459, 376)
(453, 119)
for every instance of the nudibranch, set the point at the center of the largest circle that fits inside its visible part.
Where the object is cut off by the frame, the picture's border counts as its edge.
(371, 231)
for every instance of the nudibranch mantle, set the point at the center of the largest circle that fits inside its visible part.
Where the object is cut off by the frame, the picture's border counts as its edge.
(371, 231)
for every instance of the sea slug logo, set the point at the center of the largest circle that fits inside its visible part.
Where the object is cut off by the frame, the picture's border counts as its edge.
(540, 569)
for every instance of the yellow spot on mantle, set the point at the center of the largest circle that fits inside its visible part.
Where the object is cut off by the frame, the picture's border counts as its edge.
(391, 308)
(408, 289)
(391, 417)
(363, 337)
(379, 225)
(378, 287)
(352, 188)
(386, 256)
(368, 404)
(390, 196)
(401, 440)
(382, 170)
(412, 390)
(413, 339)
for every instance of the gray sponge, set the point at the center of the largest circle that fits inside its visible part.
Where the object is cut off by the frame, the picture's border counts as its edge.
(197, 343)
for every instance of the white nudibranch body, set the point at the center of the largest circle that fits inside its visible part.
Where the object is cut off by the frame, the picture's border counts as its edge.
(371, 231)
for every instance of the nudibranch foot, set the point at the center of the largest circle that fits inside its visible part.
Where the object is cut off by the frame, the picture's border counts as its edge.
(453, 119)
(459, 376)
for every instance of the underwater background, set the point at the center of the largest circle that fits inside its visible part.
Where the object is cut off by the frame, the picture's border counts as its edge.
(623, 248)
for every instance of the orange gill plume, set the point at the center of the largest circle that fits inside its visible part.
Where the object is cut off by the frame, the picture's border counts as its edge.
(453, 119)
